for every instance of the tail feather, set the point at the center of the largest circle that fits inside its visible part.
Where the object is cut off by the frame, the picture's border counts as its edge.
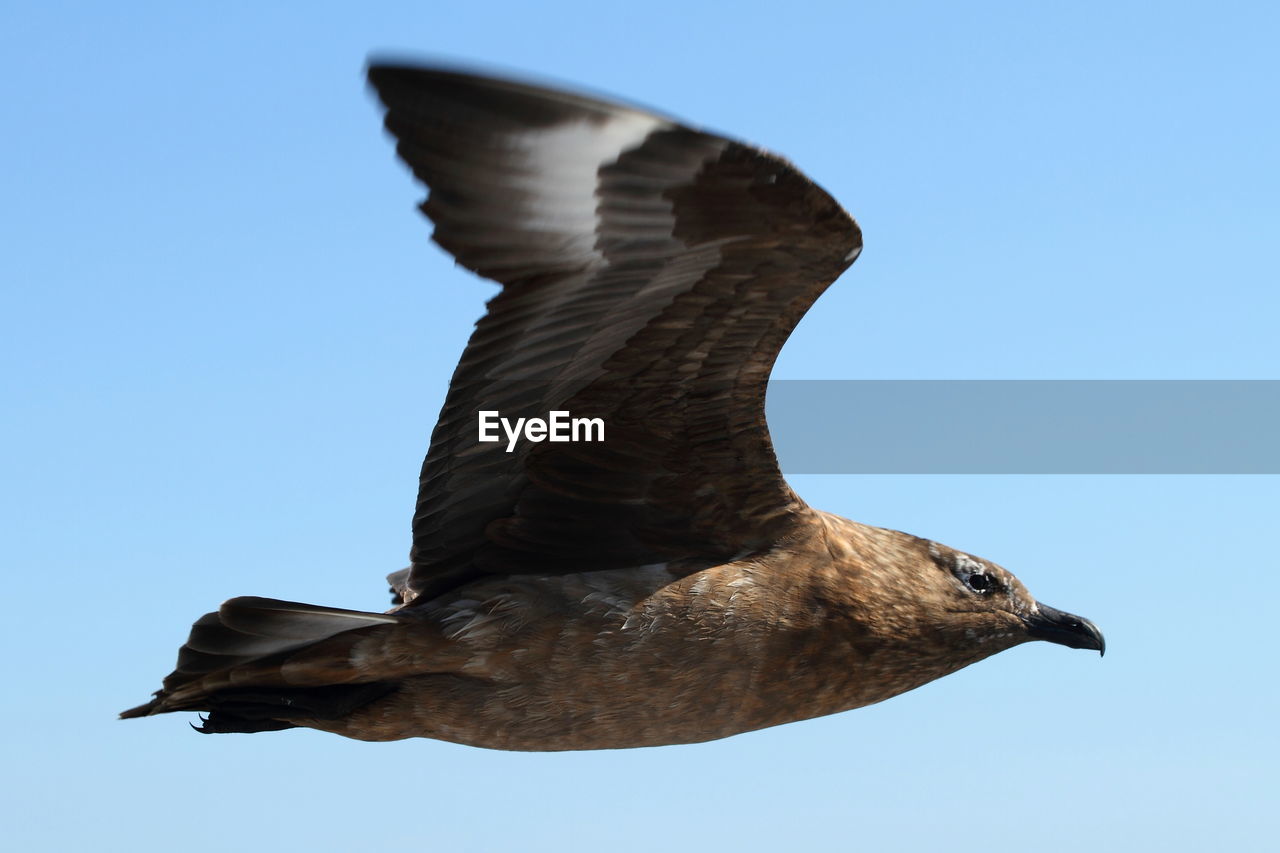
(268, 617)
(212, 638)
(258, 662)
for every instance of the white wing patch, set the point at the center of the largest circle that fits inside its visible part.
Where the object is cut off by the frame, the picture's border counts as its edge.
(563, 164)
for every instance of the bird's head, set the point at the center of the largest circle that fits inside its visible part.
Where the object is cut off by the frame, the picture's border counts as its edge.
(978, 602)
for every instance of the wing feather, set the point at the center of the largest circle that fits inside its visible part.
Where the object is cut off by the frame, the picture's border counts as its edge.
(651, 273)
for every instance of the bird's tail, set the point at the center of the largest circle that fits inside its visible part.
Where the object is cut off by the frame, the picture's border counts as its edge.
(257, 664)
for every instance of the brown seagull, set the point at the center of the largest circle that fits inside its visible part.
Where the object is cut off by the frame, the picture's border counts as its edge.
(663, 585)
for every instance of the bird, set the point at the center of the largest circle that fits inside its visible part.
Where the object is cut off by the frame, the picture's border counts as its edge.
(652, 581)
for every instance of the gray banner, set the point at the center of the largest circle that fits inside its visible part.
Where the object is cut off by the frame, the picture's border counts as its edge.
(1026, 427)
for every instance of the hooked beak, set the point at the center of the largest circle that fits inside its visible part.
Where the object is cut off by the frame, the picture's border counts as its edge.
(1065, 629)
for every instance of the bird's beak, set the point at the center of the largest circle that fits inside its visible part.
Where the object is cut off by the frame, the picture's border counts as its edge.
(1065, 629)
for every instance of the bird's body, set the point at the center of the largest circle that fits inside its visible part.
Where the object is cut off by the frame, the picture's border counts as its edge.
(602, 659)
(664, 585)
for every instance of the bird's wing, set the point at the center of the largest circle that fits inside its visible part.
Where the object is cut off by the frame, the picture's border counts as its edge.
(650, 274)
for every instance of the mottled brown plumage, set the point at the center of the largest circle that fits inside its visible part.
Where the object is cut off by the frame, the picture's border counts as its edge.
(662, 586)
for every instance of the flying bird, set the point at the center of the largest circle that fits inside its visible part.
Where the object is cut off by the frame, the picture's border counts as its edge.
(662, 585)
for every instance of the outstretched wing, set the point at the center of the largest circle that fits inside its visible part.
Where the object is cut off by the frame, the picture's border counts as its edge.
(650, 274)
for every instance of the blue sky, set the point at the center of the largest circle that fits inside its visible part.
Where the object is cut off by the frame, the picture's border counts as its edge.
(225, 337)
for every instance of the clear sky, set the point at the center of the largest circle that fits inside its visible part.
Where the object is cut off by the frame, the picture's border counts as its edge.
(225, 336)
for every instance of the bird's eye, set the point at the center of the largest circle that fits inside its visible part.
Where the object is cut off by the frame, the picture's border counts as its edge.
(980, 583)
